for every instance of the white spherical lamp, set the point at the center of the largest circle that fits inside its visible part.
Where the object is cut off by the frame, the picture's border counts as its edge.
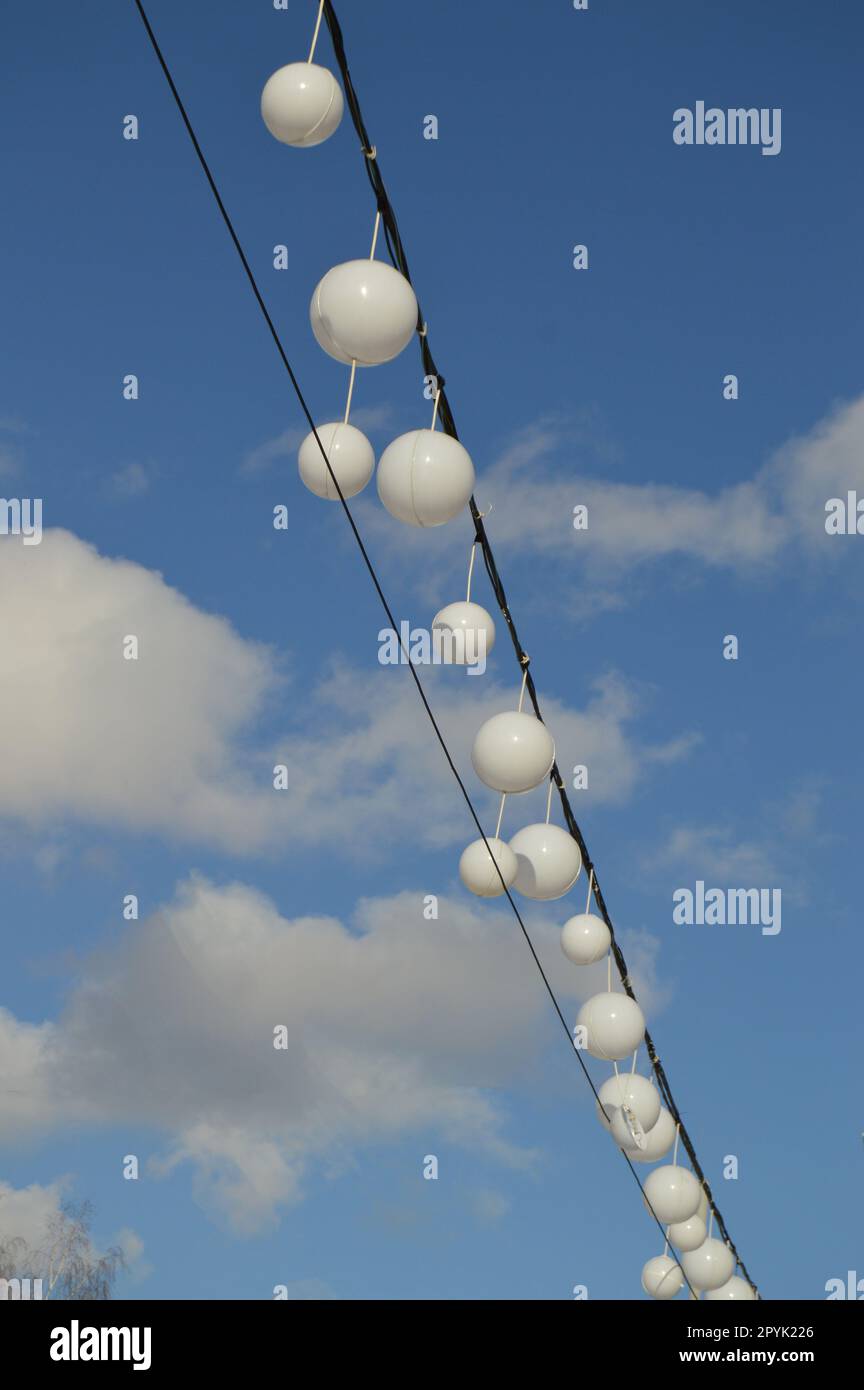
(467, 633)
(425, 478)
(363, 312)
(735, 1288)
(585, 938)
(614, 1024)
(549, 861)
(709, 1267)
(477, 869)
(672, 1193)
(620, 1094)
(688, 1235)
(662, 1277)
(513, 752)
(302, 104)
(351, 457)
(658, 1140)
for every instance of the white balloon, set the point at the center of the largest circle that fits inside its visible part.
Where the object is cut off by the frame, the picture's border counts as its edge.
(585, 938)
(351, 456)
(660, 1139)
(673, 1195)
(688, 1235)
(513, 751)
(468, 632)
(735, 1288)
(363, 312)
(302, 104)
(640, 1098)
(709, 1267)
(549, 861)
(662, 1277)
(614, 1024)
(425, 478)
(477, 870)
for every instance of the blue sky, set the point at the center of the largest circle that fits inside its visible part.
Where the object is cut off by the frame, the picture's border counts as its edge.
(706, 518)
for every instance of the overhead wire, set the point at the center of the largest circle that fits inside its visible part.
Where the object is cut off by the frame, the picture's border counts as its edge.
(397, 255)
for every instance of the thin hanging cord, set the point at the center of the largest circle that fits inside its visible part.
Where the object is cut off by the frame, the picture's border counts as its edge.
(350, 389)
(371, 158)
(400, 261)
(315, 35)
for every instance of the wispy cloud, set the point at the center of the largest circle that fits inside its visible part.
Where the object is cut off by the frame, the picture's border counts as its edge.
(393, 1026)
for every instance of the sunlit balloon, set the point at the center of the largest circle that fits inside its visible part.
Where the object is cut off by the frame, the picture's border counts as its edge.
(363, 311)
(709, 1267)
(688, 1235)
(513, 751)
(477, 867)
(351, 456)
(425, 478)
(585, 938)
(302, 104)
(549, 861)
(662, 1277)
(614, 1024)
(628, 1092)
(467, 633)
(672, 1193)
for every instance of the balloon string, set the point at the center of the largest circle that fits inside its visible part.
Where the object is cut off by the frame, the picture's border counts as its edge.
(435, 408)
(470, 566)
(350, 389)
(375, 236)
(590, 889)
(315, 35)
(500, 814)
(549, 799)
(522, 691)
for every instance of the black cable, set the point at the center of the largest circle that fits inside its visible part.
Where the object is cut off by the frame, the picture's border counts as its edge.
(397, 254)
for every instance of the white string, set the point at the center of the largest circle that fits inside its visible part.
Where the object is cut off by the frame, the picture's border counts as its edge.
(675, 1151)
(549, 799)
(435, 409)
(350, 389)
(500, 814)
(375, 234)
(590, 889)
(315, 35)
(522, 691)
(470, 571)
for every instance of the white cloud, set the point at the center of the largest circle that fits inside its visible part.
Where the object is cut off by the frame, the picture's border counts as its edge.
(746, 527)
(25, 1213)
(398, 1026)
(379, 768)
(161, 743)
(715, 852)
(146, 744)
(133, 480)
